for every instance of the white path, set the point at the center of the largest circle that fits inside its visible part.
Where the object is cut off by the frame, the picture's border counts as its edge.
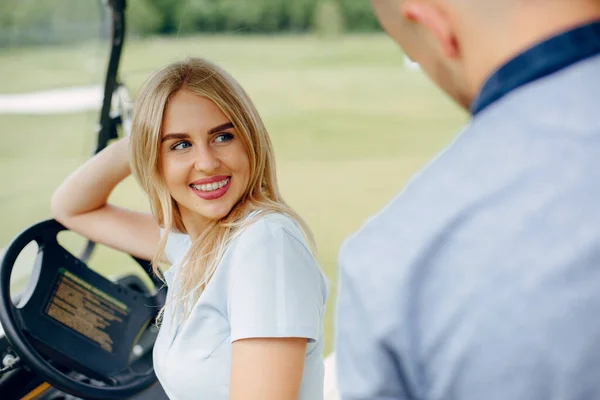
(56, 101)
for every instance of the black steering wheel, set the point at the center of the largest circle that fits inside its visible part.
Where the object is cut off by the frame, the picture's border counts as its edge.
(79, 320)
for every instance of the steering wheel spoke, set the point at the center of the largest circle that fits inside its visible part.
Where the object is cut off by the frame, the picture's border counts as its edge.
(50, 251)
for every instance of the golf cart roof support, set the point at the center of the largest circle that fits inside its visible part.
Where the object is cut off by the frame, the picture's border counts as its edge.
(107, 128)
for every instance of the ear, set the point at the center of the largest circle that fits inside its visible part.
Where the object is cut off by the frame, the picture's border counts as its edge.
(435, 20)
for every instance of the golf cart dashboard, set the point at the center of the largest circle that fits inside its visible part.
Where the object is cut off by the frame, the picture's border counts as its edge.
(22, 383)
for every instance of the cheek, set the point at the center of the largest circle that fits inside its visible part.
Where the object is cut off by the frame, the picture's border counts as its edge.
(244, 168)
(245, 164)
(172, 173)
(237, 159)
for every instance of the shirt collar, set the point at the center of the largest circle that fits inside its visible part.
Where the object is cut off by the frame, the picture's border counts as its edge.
(541, 60)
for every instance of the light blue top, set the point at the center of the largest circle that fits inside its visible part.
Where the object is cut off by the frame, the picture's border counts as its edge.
(267, 285)
(481, 281)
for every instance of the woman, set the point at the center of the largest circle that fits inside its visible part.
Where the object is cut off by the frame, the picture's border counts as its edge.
(244, 313)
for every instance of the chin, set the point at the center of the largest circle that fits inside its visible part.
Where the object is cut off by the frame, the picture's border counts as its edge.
(215, 213)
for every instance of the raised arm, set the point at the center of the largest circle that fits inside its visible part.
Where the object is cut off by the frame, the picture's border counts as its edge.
(80, 204)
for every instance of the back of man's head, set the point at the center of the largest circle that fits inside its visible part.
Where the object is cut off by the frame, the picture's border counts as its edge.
(459, 43)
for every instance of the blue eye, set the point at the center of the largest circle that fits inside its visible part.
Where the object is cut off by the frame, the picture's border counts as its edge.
(184, 144)
(224, 137)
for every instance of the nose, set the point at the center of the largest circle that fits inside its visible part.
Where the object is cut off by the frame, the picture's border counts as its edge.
(205, 160)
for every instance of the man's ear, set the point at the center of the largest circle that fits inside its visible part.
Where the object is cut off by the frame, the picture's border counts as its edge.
(436, 21)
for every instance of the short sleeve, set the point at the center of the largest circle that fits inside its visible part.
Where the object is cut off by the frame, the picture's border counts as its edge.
(276, 288)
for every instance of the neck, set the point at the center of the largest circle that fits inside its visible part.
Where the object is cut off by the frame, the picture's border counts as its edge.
(194, 224)
(517, 31)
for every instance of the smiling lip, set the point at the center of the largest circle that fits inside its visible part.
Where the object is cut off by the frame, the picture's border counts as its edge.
(210, 179)
(214, 194)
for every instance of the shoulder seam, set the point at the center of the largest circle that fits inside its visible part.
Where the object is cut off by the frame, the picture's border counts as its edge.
(272, 229)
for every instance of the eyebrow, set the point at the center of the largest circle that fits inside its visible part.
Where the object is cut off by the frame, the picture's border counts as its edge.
(171, 136)
(219, 128)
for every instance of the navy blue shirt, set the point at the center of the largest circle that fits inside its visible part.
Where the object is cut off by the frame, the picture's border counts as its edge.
(539, 61)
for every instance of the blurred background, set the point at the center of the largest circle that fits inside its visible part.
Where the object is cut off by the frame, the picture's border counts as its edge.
(350, 118)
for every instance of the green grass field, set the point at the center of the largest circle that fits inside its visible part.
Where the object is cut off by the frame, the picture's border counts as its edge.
(350, 125)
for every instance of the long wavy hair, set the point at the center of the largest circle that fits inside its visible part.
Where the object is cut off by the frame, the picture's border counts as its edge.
(208, 80)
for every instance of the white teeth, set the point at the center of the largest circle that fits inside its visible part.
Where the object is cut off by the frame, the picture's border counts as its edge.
(209, 187)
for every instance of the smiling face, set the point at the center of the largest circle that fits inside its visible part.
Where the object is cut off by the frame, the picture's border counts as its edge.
(203, 160)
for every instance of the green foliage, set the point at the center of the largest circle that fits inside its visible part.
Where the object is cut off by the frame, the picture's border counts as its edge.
(143, 18)
(231, 16)
(300, 14)
(359, 15)
(167, 9)
(58, 21)
(64, 21)
(329, 21)
(199, 15)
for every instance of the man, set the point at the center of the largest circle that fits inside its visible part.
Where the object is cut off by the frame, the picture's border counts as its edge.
(482, 279)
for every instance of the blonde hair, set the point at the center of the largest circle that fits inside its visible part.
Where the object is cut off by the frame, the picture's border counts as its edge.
(205, 79)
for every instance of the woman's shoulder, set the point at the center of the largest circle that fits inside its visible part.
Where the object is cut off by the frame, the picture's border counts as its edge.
(269, 244)
(263, 227)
